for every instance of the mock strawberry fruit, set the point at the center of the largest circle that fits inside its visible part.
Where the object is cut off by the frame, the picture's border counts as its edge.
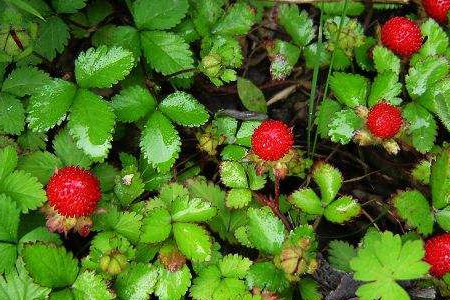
(384, 120)
(437, 254)
(437, 9)
(272, 140)
(73, 192)
(402, 36)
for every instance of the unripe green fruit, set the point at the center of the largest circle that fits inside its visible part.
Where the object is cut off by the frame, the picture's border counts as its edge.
(114, 267)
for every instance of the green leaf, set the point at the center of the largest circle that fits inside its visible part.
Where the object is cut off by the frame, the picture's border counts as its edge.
(385, 60)
(172, 285)
(245, 132)
(48, 106)
(233, 152)
(40, 164)
(342, 210)
(25, 81)
(8, 253)
(68, 7)
(238, 20)
(327, 109)
(8, 161)
(53, 38)
(343, 126)
(413, 207)
(91, 124)
(50, 266)
(251, 96)
(436, 41)
(234, 266)
(106, 174)
(255, 181)
(12, 114)
(265, 276)
(297, 24)
(24, 190)
(184, 109)
(90, 286)
(126, 37)
(167, 52)
(160, 142)
(136, 282)
(133, 103)
(266, 231)
(26, 7)
(238, 198)
(422, 126)
(443, 109)
(443, 218)
(440, 180)
(423, 75)
(204, 14)
(9, 219)
(193, 241)
(206, 283)
(361, 57)
(129, 185)
(307, 200)
(309, 289)
(66, 150)
(329, 180)
(193, 210)
(32, 141)
(156, 226)
(38, 234)
(159, 14)
(233, 175)
(102, 67)
(283, 57)
(385, 88)
(340, 254)
(349, 89)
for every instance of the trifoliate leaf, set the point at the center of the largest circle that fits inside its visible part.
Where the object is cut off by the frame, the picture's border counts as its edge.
(68, 7)
(133, 103)
(12, 114)
(440, 180)
(172, 285)
(385, 87)
(40, 164)
(422, 126)
(233, 175)
(91, 123)
(251, 96)
(245, 132)
(137, 282)
(383, 259)
(90, 286)
(102, 67)
(385, 60)
(25, 81)
(307, 200)
(167, 52)
(160, 142)
(193, 210)
(437, 40)
(238, 198)
(49, 104)
(329, 180)
(66, 150)
(265, 276)
(297, 24)
(126, 37)
(53, 38)
(327, 110)
(184, 109)
(343, 126)
(193, 241)
(423, 75)
(340, 254)
(156, 226)
(8, 161)
(159, 14)
(9, 219)
(342, 210)
(234, 266)
(50, 266)
(350, 89)
(204, 14)
(266, 231)
(24, 190)
(309, 289)
(238, 20)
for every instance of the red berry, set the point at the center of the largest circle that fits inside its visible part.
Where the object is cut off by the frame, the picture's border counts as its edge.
(437, 9)
(437, 254)
(384, 120)
(272, 140)
(73, 191)
(402, 36)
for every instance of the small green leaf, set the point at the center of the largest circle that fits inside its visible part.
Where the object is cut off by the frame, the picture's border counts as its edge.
(233, 152)
(8, 161)
(53, 38)
(385, 60)
(129, 185)
(233, 174)
(265, 276)
(12, 114)
(25, 81)
(106, 174)
(340, 254)
(283, 57)
(422, 76)
(193, 241)
(136, 282)
(204, 14)
(297, 24)
(66, 150)
(245, 132)
(307, 200)
(350, 89)
(102, 67)
(40, 164)
(156, 226)
(9, 219)
(184, 109)
(443, 218)
(343, 126)
(133, 103)
(342, 210)
(234, 266)
(443, 109)
(159, 14)
(126, 37)
(329, 180)
(440, 180)
(8, 253)
(50, 266)
(309, 289)
(193, 210)
(90, 286)
(251, 96)
(437, 39)
(385, 88)
(238, 20)
(172, 285)
(327, 109)
(68, 7)
(266, 231)
(238, 198)
(422, 126)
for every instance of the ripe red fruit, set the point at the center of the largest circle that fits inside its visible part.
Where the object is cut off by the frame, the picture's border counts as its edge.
(73, 191)
(402, 36)
(437, 9)
(384, 120)
(437, 254)
(272, 140)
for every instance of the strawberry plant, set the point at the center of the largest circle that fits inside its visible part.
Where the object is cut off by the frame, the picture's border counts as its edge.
(224, 149)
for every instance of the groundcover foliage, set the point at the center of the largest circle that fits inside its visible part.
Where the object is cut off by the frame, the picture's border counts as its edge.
(160, 100)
